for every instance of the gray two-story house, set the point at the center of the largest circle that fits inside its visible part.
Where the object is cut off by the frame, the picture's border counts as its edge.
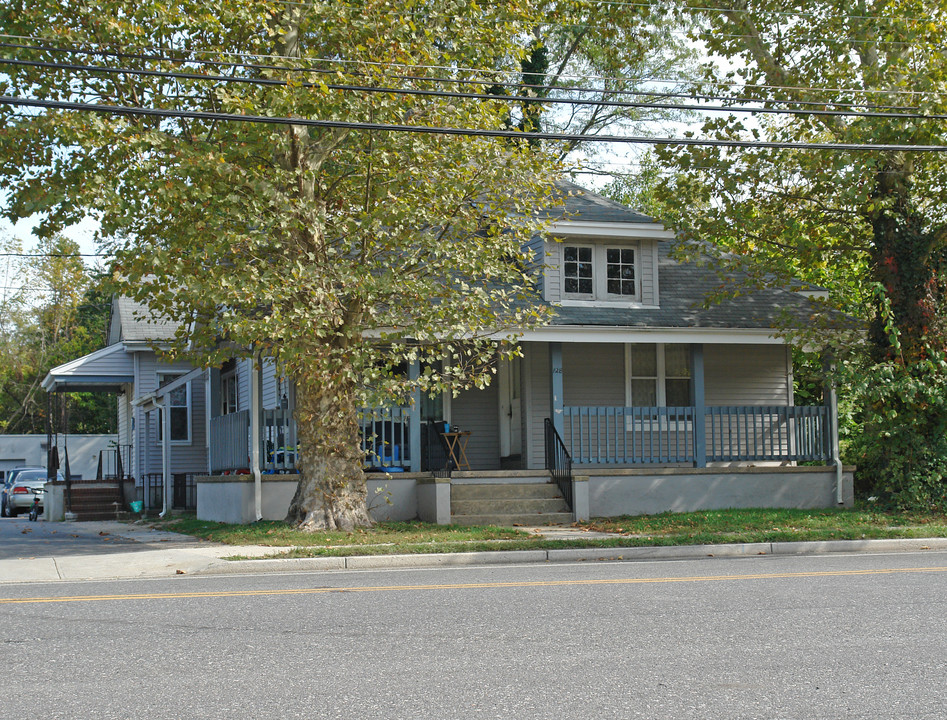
(637, 396)
(653, 398)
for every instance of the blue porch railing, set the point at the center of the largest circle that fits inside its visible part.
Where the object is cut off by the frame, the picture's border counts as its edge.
(384, 437)
(637, 435)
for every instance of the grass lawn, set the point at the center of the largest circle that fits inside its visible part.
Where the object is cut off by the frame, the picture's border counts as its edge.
(710, 527)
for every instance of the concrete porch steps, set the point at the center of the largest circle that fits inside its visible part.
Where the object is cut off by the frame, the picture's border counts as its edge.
(522, 503)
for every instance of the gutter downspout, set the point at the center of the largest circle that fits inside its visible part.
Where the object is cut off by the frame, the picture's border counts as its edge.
(255, 439)
(832, 402)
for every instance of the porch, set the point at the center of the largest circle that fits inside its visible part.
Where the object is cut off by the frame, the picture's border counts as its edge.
(395, 440)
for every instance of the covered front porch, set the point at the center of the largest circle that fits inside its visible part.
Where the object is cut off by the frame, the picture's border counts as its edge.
(536, 402)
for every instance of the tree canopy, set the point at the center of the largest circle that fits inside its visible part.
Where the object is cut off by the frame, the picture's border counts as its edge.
(51, 311)
(343, 252)
(868, 224)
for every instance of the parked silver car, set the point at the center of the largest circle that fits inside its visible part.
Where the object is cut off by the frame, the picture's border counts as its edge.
(8, 479)
(20, 490)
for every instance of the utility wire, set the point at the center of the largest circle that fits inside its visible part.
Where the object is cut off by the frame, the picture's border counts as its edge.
(468, 132)
(271, 82)
(445, 68)
(518, 86)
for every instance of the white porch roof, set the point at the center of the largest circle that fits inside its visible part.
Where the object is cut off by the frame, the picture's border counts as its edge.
(105, 370)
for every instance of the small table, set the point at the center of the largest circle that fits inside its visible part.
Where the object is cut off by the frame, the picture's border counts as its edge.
(457, 448)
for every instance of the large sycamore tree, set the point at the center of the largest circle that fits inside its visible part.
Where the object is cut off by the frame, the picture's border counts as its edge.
(868, 224)
(347, 254)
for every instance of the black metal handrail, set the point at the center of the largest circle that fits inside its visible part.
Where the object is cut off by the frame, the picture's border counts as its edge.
(558, 461)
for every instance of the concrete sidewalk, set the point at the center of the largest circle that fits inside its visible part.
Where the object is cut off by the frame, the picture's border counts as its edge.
(141, 552)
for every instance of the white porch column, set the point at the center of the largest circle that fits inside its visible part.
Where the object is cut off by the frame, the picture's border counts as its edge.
(255, 412)
(166, 453)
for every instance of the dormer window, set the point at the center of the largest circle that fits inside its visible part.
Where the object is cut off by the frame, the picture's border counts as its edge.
(577, 269)
(600, 272)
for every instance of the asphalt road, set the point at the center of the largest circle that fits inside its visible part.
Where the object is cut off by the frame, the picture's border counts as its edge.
(855, 636)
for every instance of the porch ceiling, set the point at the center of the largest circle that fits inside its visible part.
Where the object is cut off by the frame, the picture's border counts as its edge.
(105, 370)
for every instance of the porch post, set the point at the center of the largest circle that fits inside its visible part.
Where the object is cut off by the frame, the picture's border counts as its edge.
(414, 418)
(830, 400)
(166, 453)
(697, 400)
(145, 420)
(256, 411)
(555, 386)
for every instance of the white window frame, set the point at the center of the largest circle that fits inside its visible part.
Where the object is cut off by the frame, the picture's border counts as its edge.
(229, 379)
(169, 377)
(599, 274)
(660, 379)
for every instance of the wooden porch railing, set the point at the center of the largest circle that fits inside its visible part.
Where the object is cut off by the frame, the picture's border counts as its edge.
(638, 435)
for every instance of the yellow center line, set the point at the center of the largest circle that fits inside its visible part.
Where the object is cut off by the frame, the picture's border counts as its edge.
(465, 586)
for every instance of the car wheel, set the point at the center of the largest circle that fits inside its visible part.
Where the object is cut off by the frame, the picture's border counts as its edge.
(3, 511)
(11, 511)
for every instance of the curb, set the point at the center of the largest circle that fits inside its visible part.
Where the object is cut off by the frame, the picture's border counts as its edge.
(630, 554)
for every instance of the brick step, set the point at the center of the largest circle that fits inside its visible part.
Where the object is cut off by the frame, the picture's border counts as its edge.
(96, 506)
(112, 515)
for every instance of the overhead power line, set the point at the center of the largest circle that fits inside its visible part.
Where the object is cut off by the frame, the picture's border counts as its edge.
(272, 82)
(488, 82)
(178, 56)
(470, 132)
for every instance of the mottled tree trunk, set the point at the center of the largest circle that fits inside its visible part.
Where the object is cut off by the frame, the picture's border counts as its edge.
(332, 493)
(906, 263)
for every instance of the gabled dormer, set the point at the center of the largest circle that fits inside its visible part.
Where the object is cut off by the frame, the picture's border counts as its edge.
(600, 252)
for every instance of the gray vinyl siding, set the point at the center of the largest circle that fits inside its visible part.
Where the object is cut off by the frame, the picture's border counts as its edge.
(243, 384)
(269, 396)
(646, 266)
(552, 274)
(478, 411)
(537, 252)
(190, 457)
(593, 374)
(536, 402)
(746, 375)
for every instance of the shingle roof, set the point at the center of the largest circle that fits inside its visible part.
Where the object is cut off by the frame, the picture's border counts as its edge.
(138, 324)
(684, 289)
(577, 203)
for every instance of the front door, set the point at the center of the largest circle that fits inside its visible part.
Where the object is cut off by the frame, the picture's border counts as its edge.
(508, 381)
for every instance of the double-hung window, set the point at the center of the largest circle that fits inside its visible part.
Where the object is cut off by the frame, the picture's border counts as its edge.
(228, 393)
(179, 411)
(658, 375)
(600, 272)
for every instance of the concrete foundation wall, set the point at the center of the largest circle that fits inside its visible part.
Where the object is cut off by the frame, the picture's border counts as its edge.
(230, 498)
(646, 492)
